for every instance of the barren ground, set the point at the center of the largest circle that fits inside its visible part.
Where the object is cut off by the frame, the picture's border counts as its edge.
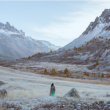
(30, 89)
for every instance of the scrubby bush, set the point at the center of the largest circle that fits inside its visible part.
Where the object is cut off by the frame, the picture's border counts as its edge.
(86, 73)
(79, 48)
(87, 43)
(39, 53)
(35, 70)
(94, 74)
(97, 62)
(97, 68)
(100, 37)
(102, 75)
(66, 51)
(53, 72)
(75, 48)
(88, 59)
(51, 51)
(108, 75)
(67, 74)
(65, 71)
(81, 76)
(29, 57)
(99, 55)
(45, 72)
(98, 75)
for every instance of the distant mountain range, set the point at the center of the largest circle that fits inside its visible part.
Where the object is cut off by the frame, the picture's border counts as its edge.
(14, 44)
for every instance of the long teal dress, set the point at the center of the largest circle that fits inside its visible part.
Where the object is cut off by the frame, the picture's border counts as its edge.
(53, 91)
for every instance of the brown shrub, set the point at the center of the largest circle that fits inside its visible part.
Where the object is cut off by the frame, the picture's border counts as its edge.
(29, 57)
(66, 51)
(99, 75)
(108, 75)
(88, 59)
(53, 72)
(86, 73)
(51, 51)
(79, 48)
(97, 62)
(67, 74)
(35, 70)
(81, 76)
(102, 75)
(65, 71)
(75, 48)
(87, 43)
(94, 74)
(45, 72)
(98, 68)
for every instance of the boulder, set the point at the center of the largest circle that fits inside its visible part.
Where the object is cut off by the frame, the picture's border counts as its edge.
(72, 93)
(1, 83)
(3, 93)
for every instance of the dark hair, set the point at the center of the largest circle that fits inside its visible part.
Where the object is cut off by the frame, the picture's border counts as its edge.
(52, 84)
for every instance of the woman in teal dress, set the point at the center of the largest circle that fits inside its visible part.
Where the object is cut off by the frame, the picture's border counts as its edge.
(52, 90)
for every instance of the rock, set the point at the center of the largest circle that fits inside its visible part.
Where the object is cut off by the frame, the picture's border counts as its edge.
(107, 95)
(3, 93)
(1, 83)
(72, 93)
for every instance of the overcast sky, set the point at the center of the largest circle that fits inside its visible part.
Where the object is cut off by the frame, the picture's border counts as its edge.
(58, 22)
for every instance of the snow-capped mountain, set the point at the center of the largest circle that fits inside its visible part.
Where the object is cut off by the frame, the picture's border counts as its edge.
(14, 44)
(100, 27)
(48, 44)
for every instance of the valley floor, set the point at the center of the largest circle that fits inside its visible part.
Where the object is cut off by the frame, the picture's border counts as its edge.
(29, 90)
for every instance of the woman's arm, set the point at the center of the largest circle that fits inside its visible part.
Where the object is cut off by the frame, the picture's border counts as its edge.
(50, 90)
(54, 86)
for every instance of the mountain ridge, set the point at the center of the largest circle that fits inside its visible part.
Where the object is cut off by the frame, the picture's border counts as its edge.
(100, 27)
(15, 45)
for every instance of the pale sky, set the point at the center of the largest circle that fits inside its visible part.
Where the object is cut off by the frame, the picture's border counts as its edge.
(58, 22)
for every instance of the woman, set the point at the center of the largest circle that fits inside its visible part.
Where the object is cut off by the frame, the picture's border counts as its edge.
(52, 90)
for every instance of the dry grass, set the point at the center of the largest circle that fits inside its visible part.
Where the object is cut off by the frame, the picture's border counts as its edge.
(7, 106)
(81, 81)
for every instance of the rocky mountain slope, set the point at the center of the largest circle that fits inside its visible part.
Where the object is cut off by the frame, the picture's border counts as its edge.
(14, 44)
(100, 27)
(91, 48)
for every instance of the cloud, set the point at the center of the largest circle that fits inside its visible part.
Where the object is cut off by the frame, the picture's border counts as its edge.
(70, 27)
(73, 23)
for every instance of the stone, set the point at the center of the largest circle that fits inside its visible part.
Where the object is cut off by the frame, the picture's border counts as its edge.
(107, 95)
(72, 93)
(1, 83)
(3, 93)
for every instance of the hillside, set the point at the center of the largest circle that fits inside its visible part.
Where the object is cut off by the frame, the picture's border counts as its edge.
(100, 27)
(95, 52)
(14, 44)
